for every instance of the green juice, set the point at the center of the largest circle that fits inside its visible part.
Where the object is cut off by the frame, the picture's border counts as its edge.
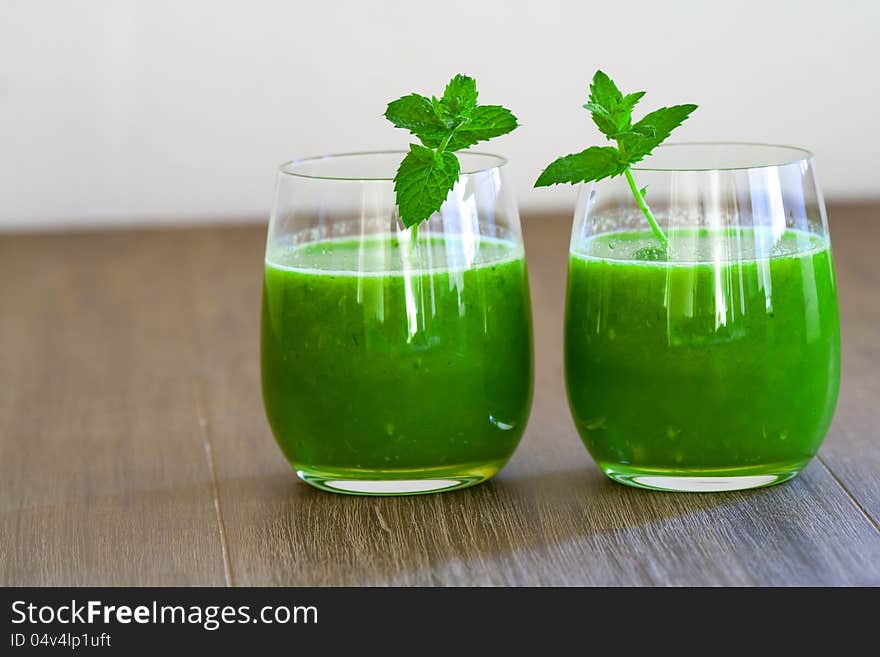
(391, 367)
(717, 371)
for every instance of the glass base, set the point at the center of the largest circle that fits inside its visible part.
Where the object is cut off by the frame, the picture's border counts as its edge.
(702, 481)
(397, 482)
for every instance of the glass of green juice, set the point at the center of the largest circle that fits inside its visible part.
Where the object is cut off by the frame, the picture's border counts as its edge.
(394, 360)
(712, 364)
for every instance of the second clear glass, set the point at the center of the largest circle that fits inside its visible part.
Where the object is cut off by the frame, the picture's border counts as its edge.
(713, 364)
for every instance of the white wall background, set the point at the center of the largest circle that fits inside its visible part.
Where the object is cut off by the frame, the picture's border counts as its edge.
(157, 111)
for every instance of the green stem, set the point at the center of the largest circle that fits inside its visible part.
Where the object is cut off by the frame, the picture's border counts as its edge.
(448, 137)
(445, 141)
(439, 149)
(645, 209)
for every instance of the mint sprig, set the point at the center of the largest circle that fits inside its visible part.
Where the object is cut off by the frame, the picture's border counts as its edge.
(443, 126)
(612, 113)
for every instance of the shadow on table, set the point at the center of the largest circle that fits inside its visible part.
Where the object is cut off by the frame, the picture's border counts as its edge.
(512, 530)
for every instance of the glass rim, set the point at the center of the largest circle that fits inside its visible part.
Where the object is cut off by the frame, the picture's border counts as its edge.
(286, 168)
(797, 154)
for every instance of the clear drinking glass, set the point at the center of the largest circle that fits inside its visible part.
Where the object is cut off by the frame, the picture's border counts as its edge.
(715, 364)
(394, 361)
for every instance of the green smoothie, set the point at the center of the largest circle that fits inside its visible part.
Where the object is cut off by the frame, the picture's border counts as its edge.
(392, 367)
(723, 364)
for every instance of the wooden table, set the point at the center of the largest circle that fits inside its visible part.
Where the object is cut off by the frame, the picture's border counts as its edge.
(134, 450)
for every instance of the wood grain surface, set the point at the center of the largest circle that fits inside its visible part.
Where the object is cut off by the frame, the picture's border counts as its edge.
(134, 450)
(103, 478)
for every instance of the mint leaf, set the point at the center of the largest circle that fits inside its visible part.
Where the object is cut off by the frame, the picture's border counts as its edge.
(460, 95)
(611, 111)
(652, 130)
(416, 114)
(595, 163)
(484, 122)
(604, 121)
(423, 181)
(623, 111)
(443, 125)
(603, 91)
